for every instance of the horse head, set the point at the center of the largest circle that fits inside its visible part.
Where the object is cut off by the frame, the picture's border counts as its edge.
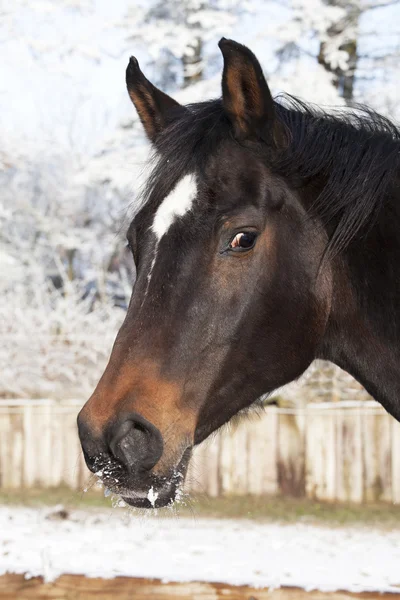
(230, 301)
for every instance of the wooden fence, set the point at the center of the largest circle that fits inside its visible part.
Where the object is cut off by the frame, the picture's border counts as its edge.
(344, 451)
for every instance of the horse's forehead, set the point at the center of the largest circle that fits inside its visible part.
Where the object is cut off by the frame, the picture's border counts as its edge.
(232, 172)
(176, 204)
(234, 167)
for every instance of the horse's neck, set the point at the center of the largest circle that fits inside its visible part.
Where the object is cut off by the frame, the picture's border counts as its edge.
(363, 333)
(370, 359)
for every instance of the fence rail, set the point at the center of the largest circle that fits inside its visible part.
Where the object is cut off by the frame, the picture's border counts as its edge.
(344, 451)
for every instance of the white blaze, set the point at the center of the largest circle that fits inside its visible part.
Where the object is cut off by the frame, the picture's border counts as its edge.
(178, 202)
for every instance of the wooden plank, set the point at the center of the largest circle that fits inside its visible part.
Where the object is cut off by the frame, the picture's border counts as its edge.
(78, 587)
(192, 483)
(226, 466)
(239, 449)
(71, 451)
(5, 442)
(349, 465)
(197, 479)
(371, 476)
(16, 441)
(395, 461)
(85, 477)
(262, 452)
(58, 448)
(42, 419)
(29, 470)
(291, 454)
(212, 470)
(320, 454)
(355, 461)
(384, 425)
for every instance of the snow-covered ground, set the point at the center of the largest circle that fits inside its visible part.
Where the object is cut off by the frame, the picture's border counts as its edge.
(113, 543)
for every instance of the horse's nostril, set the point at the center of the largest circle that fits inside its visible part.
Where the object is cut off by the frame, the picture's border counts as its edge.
(136, 443)
(130, 445)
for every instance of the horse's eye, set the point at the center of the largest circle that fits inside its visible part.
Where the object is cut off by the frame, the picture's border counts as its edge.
(244, 240)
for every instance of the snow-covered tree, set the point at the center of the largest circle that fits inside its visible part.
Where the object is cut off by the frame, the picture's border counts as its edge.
(176, 32)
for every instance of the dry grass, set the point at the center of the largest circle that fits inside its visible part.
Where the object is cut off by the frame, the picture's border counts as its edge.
(267, 509)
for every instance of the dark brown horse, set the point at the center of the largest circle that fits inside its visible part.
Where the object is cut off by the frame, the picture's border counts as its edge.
(269, 236)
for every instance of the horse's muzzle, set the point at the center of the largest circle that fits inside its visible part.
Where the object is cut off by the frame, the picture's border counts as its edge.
(124, 456)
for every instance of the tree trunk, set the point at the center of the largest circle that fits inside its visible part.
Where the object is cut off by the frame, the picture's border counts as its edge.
(343, 78)
(192, 62)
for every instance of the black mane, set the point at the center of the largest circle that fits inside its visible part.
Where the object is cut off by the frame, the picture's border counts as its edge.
(354, 153)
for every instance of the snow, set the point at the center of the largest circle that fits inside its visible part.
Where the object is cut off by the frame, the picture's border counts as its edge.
(152, 497)
(115, 543)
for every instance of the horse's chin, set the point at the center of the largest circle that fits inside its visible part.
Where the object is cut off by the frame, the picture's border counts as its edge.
(163, 492)
(165, 496)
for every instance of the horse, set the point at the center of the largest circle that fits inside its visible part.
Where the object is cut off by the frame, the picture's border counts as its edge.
(267, 237)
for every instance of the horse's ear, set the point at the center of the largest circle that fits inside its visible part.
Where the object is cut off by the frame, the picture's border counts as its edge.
(155, 108)
(246, 96)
